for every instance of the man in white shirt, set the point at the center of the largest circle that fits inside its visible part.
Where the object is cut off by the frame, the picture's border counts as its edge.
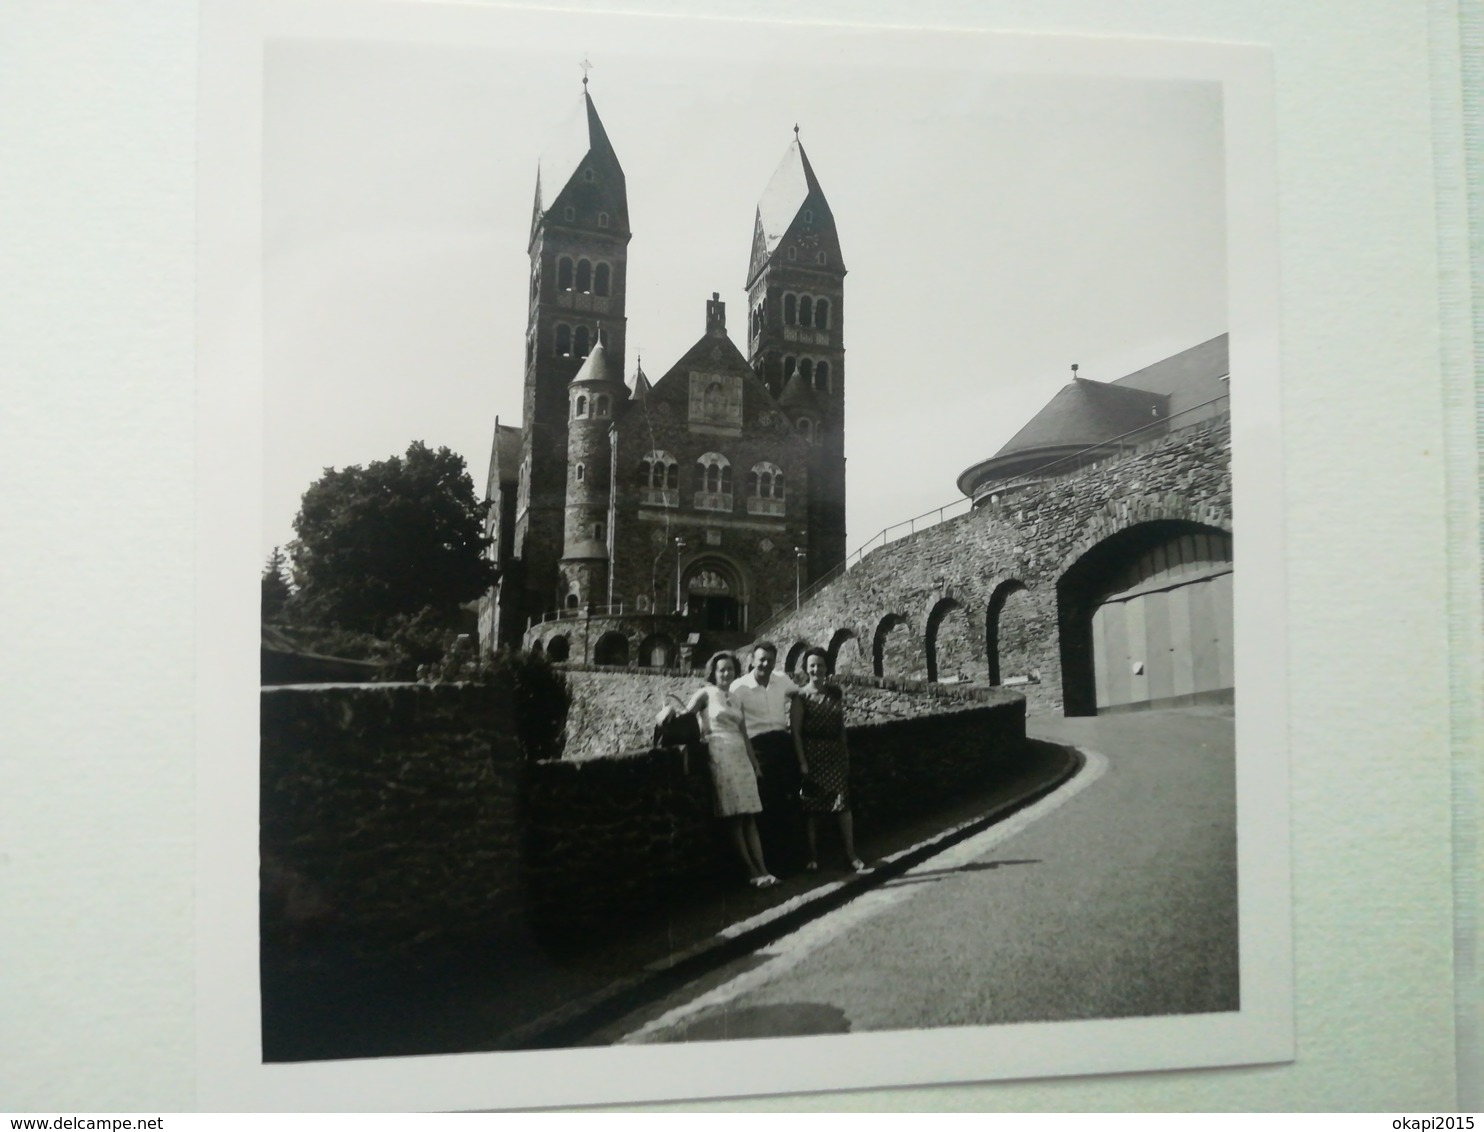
(767, 699)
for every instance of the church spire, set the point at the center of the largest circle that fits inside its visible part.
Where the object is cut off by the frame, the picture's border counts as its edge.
(793, 219)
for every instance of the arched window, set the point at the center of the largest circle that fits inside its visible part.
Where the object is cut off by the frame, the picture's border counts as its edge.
(581, 408)
(589, 176)
(793, 253)
(822, 376)
(790, 310)
(597, 532)
(715, 482)
(584, 275)
(806, 311)
(569, 213)
(564, 274)
(580, 472)
(765, 489)
(600, 405)
(580, 345)
(808, 216)
(563, 340)
(659, 480)
(822, 313)
(806, 429)
(806, 368)
(790, 364)
(601, 275)
(602, 220)
(820, 259)
(571, 603)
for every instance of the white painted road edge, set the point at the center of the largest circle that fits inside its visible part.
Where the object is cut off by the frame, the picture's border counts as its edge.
(786, 953)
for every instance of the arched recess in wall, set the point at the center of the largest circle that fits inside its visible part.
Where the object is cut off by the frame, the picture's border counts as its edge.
(1144, 617)
(949, 644)
(536, 649)
(657, 651)
(558, 648)
(612, 648)
(845, 652)
(892, 651)
(1007, 632)
(795, 656)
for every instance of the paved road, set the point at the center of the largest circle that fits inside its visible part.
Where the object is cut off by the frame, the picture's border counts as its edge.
(1113, 897)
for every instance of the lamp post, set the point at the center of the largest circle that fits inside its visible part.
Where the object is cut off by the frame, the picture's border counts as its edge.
(679, 550)
(799, 555)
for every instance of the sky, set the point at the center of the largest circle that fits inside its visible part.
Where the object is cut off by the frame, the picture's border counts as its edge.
(999, 223)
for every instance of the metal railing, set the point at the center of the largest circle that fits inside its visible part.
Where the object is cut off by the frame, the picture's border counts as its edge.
(1120, 446)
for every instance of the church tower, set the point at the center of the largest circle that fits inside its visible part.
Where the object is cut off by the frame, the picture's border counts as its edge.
(795, 339)
(578, 252)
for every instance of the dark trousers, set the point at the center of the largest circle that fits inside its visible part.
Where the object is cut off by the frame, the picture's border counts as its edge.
(781, 824)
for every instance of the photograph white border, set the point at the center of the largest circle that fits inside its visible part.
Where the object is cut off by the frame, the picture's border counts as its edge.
(230, 1073)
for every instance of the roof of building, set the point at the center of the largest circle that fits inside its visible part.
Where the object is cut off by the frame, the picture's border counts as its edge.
(641, 382)
(792, 186)
(580, 133)
(597, 366)
(1085, 413)
(1190, 378)
(504, 456)
(799, 394)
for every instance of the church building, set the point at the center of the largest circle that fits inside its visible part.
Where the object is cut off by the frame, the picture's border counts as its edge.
(649, 522)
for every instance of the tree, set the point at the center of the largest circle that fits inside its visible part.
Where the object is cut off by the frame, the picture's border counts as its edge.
(390, 540)
(276, 591)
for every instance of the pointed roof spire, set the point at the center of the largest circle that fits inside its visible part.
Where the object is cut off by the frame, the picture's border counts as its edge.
(595, 367)
(793, 198)
(581, 138)
(798, 394)
(641, 383)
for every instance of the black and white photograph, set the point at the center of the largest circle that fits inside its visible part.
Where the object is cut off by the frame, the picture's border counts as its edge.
(748, 540)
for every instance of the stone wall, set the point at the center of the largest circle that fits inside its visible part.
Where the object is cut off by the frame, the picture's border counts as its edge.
(613, 709)
(920, 607)
(396, 814)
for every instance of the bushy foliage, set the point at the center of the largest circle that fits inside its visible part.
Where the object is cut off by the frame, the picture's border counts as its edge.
(390, 548)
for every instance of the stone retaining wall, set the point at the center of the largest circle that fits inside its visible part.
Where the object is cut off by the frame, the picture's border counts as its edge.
(395, 814)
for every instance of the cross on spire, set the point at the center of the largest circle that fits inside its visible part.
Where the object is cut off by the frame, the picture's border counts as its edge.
(586, 67)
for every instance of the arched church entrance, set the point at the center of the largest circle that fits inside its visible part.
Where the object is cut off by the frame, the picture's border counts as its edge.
(715, 595)
(1146, 619)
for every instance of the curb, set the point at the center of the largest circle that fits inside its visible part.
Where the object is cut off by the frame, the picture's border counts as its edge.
(569, 1024)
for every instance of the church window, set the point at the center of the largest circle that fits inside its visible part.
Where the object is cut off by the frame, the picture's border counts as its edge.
(659, 480)
(716, 483)
(806, 311)
(581, 406)
(581, 342)
(579, 473)
(765, 490)
(569, 213)
(790, 310)
(601, 276)
(563, 340)
(806, 370)
(808, 216)
(564, 274)
(588, 176)
(600, 405)
(602, 220)
(584, 276)
(597, 532)
(793, 253)
(822, 313)
(806, 428)
(821, 259)
(822, 377)
(790, 364)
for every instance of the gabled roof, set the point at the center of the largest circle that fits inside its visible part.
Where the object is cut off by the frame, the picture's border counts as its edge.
(504, 458)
